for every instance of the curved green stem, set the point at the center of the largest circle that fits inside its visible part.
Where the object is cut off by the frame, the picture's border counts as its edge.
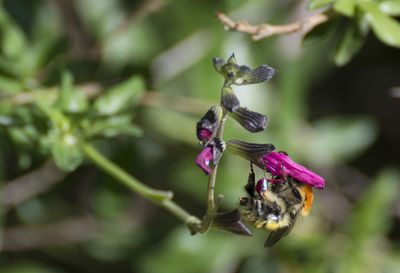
(211, 206)
(161, 198)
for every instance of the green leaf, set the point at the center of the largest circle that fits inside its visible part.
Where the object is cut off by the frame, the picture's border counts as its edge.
(9, 85)
(66, 151)
(111, 127)
(120, 97)
(13, 41)
(341, 138)
(320, 33)
(174, 125)
(350, 43)
(27, 267)
(385, 28)
(372, 213)
(24, 136)
(316, 4)
(390, 7)
(71, 100)
(345, 7)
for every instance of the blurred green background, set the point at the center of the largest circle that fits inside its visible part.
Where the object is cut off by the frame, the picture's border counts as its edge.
(134, 77)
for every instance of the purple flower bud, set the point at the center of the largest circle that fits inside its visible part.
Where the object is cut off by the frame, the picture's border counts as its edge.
(207, 126)
(204, 135)
(279, 164)
(204, 158)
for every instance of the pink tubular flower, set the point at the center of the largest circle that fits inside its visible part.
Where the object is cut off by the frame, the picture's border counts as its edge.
(204, 158)
(279, 164)
(212, 152)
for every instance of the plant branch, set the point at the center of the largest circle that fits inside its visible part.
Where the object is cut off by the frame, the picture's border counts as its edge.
(30, 184)
(211, 206)
(63, 233)
(265, 30)
(161, 198)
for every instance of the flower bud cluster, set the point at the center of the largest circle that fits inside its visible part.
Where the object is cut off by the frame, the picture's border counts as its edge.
(209, 124)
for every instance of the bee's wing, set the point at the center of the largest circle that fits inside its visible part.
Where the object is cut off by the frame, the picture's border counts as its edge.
(275, 236)
(290, 227)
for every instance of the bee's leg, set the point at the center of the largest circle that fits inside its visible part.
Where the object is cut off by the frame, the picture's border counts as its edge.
(279, 178)
(295, 191)
(251, 182)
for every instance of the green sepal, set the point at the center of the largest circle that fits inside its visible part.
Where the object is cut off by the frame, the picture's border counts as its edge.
(250, 151)
(250, 120)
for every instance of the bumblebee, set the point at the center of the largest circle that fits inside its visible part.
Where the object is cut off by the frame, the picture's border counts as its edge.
(276, 208)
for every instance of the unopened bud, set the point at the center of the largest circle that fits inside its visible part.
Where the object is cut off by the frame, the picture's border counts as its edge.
(250, 151)
(207, 126)
(251, 121)
(242, 74)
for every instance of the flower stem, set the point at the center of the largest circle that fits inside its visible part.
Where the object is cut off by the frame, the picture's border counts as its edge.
(211, 207)
(159, 197)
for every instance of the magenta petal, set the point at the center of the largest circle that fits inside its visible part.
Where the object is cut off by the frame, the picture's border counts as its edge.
(204, 135)
(204, 158)
(279, 164)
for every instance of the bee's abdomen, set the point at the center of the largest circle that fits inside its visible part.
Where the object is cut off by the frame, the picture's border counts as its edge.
(260, 213)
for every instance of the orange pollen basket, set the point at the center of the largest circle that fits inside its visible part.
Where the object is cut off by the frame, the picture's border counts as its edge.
(308, 199)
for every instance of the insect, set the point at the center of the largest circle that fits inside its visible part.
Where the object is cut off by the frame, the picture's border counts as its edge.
(275, 209)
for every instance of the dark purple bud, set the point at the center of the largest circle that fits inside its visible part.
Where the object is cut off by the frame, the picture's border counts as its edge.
(207, 126)
(250, 151)
(279, 164)
(204, 135)
(251, 121)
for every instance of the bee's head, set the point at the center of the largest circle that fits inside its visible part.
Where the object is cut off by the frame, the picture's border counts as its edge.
(244, 201)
